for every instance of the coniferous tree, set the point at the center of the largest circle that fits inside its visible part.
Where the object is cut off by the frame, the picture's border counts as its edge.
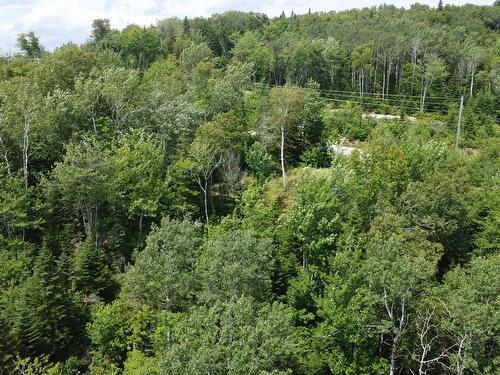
(91, 274)
(45, 311)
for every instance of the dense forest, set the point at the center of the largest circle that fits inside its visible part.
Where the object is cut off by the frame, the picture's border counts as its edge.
(239, 194)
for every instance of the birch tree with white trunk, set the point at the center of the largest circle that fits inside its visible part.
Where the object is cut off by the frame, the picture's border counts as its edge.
(433, 69)
(282, 121)
(475, 57)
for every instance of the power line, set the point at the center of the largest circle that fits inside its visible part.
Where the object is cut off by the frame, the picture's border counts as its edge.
(379, 100)
(443, 98)
(385, 95)
(351, 96)
(394, 106)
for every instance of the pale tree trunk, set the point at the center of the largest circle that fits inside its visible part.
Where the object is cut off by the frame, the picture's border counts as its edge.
(95, 225)
(412, 79)
(388, 78)
(210, 195)
(26, 143)
(5, 156)
(203, 177)
(87, 219)
(461, 356)
(400, 75)
(397, 329)
(93, 115)
(363, 85)
(422, 103)
(414, 54)
(359, 83)
(427, 338)
(383, 80)
(472, 74)
(204, 188)
(461, 67)
(394, 348)
(282, 155)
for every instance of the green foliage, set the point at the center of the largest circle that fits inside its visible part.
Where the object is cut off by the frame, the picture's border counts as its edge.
(100, 29)
(109, 333)
(143, 229)
(237, 337)
(346, 122)
(91, 273)
(250, 48)
(30, 45)
(226, 91)
(194, 55)
(139, 176)
(471, 312)
(163, 274)
(139, 364)
(314, 221)
(140, 45)
(83, 182)
(259, 161)
(236, 263)
(45, 316)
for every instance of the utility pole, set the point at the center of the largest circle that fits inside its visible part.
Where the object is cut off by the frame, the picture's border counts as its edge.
(459, 121)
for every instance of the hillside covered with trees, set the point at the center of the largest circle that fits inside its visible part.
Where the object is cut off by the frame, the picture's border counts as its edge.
(246, 195)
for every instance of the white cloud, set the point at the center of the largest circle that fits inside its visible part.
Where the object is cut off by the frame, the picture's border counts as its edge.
(60, 21)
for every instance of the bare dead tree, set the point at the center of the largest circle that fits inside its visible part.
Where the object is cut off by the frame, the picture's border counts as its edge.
(398, 317)
(232, 173)
(205, 161)
(427, 338)
(460, 340)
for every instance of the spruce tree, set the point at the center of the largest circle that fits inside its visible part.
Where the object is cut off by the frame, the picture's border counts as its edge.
(185, 26)
(91, 275)
(44, 311)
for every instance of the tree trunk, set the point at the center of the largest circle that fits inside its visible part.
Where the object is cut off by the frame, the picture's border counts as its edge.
(461, 358)
(26, 140)
(421, 365)
(282, 155)
(473, 73)
(383, 80)
(422, 103)
(140, 223)
(388, 78)
(87, 219)
(394, 348)
(94, 123)
(414, 67)
(399, 74)
(209, 194)
(204, 189)
(5, 156)
(95, 226)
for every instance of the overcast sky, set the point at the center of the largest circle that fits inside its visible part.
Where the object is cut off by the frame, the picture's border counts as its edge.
(60, 21)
